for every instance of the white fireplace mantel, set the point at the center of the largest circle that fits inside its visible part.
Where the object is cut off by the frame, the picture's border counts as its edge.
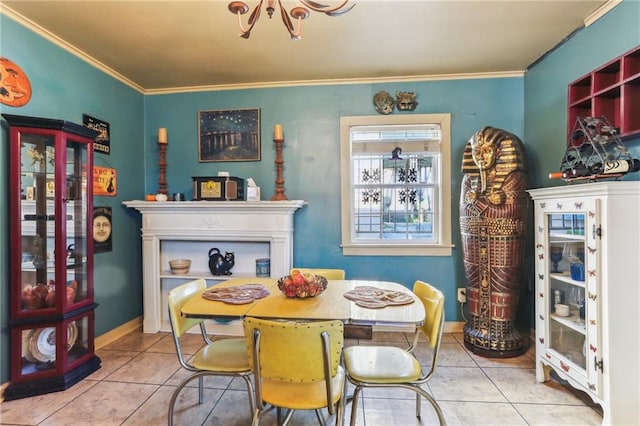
(198, 221)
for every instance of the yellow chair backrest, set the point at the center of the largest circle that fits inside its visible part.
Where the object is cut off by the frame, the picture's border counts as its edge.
(176, 299)
(292, 351)
(330, 274)
(433, 301)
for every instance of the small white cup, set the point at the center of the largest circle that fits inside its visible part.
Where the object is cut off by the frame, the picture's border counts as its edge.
(562, 310)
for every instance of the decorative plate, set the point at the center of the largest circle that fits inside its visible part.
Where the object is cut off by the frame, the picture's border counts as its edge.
(42, 343)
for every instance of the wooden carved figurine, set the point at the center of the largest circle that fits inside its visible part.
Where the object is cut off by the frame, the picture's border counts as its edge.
(493, 207)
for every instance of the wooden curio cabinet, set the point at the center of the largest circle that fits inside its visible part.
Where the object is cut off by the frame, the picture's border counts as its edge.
(51, 255)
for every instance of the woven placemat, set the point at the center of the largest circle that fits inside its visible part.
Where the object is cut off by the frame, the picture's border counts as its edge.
(237, 295)
(376, 298)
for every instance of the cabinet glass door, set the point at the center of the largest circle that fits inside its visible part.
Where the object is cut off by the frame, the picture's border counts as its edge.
(37, 189)
(568, 245)
(75, 200)
(567, 309)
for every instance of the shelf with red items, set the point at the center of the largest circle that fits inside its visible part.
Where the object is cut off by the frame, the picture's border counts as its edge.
(612, 91)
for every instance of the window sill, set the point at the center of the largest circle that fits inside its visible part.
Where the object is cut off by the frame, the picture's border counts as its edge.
(395, 250)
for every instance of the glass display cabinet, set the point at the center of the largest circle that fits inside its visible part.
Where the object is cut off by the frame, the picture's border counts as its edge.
(587, 246)
(51, 255)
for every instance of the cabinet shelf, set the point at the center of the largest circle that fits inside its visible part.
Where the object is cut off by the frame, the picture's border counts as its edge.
(567, 279)
(611, 91)
(573, 321)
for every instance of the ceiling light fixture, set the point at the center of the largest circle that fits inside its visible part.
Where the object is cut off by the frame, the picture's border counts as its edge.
(298, 13)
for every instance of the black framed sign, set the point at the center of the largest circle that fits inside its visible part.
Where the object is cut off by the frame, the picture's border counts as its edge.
(102, 143)
(229, 135)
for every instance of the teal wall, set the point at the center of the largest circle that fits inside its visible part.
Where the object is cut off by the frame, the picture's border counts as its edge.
(546, 87)
(65, 87)
(310, 117)
(533, 107)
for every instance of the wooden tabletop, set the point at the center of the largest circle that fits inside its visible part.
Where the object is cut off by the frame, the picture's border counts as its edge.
(331, 304)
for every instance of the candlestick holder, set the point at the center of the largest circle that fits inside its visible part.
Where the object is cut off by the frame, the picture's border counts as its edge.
(279, 195)
(162, 166)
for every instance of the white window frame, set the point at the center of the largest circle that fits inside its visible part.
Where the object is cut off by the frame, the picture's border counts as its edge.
(352, 247)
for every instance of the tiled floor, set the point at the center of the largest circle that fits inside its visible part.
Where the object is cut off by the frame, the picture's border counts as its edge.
(139, 372)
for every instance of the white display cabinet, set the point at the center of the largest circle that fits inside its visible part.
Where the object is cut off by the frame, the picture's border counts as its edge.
(190, 229)
(587, 258)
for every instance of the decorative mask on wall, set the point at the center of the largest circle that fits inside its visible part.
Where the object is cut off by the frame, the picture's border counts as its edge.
(383, 102)
(406, 101)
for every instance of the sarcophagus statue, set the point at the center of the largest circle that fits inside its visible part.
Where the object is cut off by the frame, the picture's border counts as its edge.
(493, 214)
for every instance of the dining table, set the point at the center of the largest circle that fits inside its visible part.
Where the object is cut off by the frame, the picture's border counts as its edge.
(329, 305)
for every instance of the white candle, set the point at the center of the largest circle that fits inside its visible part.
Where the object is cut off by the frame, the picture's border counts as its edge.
(162, 135)
(277, 132)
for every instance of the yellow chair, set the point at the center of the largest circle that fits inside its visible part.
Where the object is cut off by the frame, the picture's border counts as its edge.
(225, 357)
(330, 274)
(388, 366)
(296, 366)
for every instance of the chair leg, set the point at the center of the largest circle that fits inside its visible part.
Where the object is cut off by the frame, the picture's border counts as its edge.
(174, 396)
(200, 390)
(354, 404)
(432, 401)
(252, 398)
(418, 406)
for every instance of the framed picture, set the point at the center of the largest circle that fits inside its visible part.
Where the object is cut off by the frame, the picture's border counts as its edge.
(102, 229)
(102, 143)
(229, 135)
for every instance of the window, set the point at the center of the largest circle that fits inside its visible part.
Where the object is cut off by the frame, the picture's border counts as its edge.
(396, 185)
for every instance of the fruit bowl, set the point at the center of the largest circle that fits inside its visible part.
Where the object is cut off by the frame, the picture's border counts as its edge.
(180, 266)
(301, 286)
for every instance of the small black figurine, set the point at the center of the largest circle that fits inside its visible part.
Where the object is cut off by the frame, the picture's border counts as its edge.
(219, 264)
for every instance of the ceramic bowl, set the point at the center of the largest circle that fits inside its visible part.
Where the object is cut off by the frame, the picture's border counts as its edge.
(562, 310)
(309, 285)
(180, 266)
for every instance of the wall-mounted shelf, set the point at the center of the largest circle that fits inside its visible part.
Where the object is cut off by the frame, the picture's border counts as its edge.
(613, 91)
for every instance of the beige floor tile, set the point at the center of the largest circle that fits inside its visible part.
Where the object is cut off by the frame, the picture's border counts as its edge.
(464, 384)
(210, 381)
(454, 355)
(481, 414)
(536, 414)
(110, 361)
(148, 367)
(394, 412)
(35, 409)
(526, 360)
(106, 403)
(232, 409)
(187, 410)
(519, 385)
(135, 341)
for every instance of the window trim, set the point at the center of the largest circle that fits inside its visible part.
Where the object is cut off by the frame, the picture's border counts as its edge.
(395, 248)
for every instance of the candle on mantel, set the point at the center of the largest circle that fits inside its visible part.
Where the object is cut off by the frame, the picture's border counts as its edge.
(277, 132)
(162, 135)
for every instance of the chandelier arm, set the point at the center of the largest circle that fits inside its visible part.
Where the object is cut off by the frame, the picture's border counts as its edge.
(318, 7)
(285, 18)
(253, 18)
